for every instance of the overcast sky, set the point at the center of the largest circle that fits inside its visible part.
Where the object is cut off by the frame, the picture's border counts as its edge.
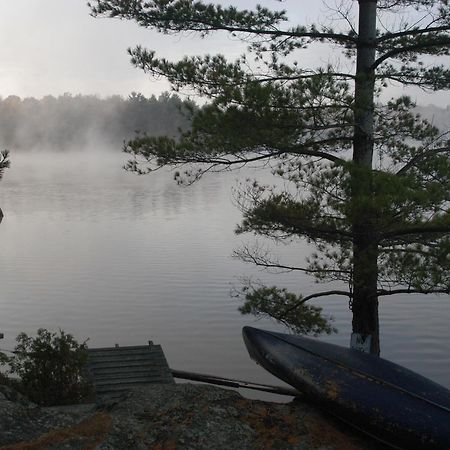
(54, 46)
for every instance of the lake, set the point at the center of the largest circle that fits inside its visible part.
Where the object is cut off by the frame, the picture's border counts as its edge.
(119, 258)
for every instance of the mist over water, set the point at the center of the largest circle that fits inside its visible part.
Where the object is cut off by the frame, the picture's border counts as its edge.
(117, 258)
(69, 122)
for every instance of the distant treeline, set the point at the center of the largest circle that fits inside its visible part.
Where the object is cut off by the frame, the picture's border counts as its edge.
(69, 122)
(80, 121)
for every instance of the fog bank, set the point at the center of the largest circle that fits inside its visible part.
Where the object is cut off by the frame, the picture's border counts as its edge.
(76, 122)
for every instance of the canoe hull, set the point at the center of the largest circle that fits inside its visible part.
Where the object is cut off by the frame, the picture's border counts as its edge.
(383, 399)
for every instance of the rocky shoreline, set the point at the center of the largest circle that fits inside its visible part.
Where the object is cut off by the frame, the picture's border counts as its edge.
(168, 417)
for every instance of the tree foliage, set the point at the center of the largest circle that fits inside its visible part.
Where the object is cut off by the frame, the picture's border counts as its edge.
(368, 178)
(286, 308)
(80, 121)
(4, 162)
(51, 367)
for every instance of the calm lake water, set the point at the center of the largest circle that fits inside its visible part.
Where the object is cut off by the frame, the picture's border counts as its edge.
(117, 258)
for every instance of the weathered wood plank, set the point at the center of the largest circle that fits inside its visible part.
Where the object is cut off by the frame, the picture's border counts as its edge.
(127, 381)
(120, 368)
(150, 374)
(123, 388)
(145, 368)
(154, 352)
(127, 347)
(126, 360)
(155, 349)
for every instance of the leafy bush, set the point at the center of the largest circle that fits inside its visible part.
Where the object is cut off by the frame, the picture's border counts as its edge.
(51, 368)
(3, 359)
(4, 379)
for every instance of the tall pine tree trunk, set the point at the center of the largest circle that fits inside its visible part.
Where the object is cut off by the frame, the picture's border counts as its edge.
(365, 253)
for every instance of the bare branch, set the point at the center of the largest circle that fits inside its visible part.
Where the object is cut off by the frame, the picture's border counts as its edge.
(248, 256)
(383, 292)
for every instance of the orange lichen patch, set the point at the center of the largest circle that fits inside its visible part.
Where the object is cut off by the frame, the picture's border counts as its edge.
(323, 433)
(242, 403)
(271, 426)
(332, 390)
(175, 416)
(170, 444)
(274, 426)
(93, 429)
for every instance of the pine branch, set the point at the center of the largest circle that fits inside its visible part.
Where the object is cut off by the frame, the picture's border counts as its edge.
(339, 75)
(443, 42)
(274, 224)
(225, 161)
(383, 292)
(434, 78)
(247, 256)
(175, 16)
(420, 230)
(171, 152)
(415, 32)
(317, 295)
(316, 153)
(420, 157)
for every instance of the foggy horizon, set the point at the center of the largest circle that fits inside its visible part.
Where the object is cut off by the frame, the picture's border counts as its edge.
(57, 47)
(75, 122)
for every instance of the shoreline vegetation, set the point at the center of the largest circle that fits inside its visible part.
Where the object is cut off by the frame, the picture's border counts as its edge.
(78, 121)
(68, 122)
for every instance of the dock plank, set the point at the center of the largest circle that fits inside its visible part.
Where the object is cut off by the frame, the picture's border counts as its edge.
(114, 369)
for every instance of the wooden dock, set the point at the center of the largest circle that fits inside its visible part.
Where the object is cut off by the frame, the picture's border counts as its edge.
(114, 370)
(117, 369)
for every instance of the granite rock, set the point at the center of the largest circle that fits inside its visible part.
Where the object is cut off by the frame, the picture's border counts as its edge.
(166, 417)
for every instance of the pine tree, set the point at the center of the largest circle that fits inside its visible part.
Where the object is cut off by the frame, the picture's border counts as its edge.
(371, 177)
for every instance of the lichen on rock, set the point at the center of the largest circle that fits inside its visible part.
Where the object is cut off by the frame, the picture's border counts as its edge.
(163, 417)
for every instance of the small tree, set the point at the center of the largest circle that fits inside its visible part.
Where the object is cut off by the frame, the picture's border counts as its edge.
(4, 163)
(369, 181)
(51, 367)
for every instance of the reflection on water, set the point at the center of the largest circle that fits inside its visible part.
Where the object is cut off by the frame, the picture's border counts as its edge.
(123, 259)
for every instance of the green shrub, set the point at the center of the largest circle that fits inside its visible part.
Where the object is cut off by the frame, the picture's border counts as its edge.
(5, 380)
(51, 368)
(3, 359)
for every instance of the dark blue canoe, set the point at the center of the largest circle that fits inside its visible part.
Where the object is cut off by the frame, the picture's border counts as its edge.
(394, 405)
